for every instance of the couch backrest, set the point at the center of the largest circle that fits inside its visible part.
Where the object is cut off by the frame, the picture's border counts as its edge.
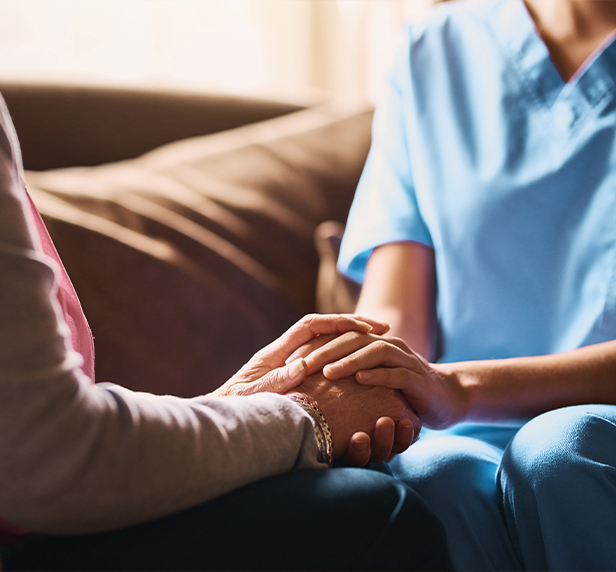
(64, 125)
(193, 256)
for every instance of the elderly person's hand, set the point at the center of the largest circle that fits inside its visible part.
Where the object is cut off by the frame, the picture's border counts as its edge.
(351, 409)
(270, 370)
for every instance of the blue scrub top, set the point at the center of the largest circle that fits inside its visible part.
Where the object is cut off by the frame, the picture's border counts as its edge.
(481, 151)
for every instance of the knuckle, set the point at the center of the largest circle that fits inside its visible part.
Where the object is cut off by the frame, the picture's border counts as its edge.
(352, 339)
(308, 319)
(399, 342)
(353, 361)
(322, 352)
(352, 335)
(381, 345)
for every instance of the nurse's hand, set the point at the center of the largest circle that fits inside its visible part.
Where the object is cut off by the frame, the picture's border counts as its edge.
(271, 370)
(438, 400)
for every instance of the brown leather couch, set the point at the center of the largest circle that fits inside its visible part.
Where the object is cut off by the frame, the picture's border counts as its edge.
(187, 221)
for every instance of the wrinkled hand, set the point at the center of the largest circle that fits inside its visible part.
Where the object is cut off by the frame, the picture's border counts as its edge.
(354, 412)
(437, 399)
(269, 370)
(389, 439)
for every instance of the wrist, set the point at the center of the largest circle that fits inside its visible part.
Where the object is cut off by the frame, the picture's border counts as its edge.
(322, 432)
(462, 389)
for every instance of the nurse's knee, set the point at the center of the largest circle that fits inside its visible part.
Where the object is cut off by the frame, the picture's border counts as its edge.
(556, 445)
(450, 466)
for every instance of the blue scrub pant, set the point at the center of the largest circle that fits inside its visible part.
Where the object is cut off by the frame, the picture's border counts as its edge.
(544, 501)
(339, 519)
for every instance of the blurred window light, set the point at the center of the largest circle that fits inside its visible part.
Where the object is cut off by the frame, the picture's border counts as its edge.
(334, 49)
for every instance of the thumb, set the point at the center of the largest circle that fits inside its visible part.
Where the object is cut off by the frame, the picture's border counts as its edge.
(285, 378)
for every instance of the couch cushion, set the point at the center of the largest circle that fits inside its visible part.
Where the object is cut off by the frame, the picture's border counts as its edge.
(190, 258)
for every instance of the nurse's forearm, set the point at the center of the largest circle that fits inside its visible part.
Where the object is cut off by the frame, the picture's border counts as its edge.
(520, 388)
(400, 289)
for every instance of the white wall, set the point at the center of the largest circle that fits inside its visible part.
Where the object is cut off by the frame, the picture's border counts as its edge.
(282, 48)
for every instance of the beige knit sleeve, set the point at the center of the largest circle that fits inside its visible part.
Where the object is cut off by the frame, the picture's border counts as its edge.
(77, 457)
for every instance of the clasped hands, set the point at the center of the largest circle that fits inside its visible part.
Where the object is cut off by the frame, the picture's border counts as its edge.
(373, 391)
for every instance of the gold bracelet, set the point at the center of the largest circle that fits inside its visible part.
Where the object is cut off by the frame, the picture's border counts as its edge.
(322, 431)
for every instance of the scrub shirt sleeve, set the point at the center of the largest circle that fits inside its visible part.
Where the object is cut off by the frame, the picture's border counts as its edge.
(385, 207)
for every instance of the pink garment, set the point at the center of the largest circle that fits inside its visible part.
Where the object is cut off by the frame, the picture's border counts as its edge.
(81, 335)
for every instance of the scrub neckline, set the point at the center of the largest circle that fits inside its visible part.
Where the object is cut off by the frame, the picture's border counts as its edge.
(516, 32)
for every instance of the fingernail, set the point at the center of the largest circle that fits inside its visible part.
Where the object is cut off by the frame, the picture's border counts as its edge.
(362, 445)
(296, 368)
(330, 370)
(365, 375)
(406, 426)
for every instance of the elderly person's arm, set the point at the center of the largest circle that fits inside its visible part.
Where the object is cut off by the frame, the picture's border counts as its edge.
(77, 457)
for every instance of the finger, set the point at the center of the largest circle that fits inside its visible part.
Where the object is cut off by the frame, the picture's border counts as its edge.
(378, 327)
(411, 385)
(358, 453)
(404, 436)
(311, 346)
(314, 325)
(338, 348)
(318, 324)
(280, 380)
(382, 352)
(382, 439)
(391, 377)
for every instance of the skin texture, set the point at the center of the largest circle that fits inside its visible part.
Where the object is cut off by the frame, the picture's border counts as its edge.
(361, 431)
(350, 407)
(406, 299)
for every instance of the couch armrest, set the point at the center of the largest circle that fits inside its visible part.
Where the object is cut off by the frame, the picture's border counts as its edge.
(62, 125)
